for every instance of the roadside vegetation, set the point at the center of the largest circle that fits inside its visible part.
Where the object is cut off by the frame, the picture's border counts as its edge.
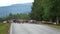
(15, 16)
(4, 28)
(47, 11)
(55, 26)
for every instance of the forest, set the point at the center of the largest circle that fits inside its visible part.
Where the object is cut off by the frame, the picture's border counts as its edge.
(46, 10)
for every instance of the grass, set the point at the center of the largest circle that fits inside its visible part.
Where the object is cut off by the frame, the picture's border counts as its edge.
(4, 28)
(55, 26)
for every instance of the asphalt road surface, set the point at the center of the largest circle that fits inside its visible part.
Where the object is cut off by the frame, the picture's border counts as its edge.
(27, 28)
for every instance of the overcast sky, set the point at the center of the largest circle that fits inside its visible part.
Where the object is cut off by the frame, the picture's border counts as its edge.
(10, 2)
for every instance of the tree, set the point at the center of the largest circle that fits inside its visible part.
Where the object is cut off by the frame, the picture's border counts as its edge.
(55, 10)
(1, 19)
(47, 10)
(36, 13)
(9, 17)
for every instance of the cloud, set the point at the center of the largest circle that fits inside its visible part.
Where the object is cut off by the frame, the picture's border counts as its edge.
(10, 2)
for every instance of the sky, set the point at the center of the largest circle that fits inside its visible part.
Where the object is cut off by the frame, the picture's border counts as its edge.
(11, 2)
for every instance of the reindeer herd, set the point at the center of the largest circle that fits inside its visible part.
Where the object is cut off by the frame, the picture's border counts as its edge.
(24, 21)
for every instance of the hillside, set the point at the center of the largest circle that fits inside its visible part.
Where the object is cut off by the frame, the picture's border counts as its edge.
(14, 9)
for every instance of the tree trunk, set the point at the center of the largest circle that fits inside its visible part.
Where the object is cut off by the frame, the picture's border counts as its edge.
(57, 20)
(51, 21)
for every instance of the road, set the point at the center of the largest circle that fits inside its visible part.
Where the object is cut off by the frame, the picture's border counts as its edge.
(27, 28)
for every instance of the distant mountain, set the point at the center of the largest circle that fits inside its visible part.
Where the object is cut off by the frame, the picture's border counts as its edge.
(14, 9)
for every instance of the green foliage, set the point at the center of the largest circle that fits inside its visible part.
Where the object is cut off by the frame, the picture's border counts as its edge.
(9, 17)
(17, 16)
(37, 10)
(1, 19)
(46, 10)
